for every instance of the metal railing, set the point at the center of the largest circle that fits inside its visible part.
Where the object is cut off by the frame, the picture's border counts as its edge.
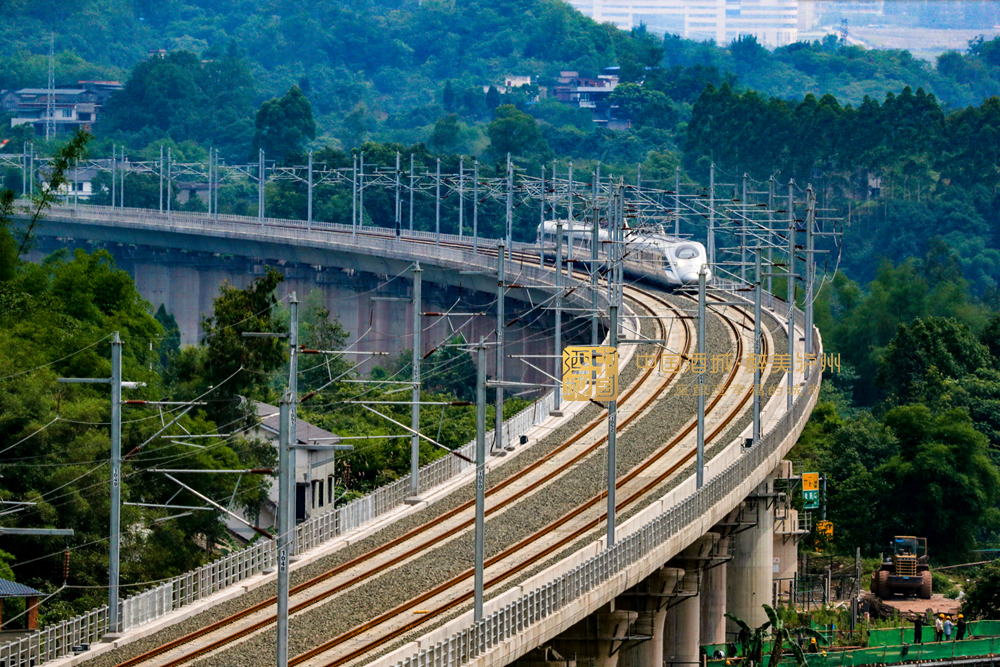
(515, 617)
(59, 639)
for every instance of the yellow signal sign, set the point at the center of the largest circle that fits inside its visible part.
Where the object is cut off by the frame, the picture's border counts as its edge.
(810, 481)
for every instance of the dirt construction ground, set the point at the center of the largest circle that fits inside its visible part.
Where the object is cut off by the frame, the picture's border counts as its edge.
(939, 603)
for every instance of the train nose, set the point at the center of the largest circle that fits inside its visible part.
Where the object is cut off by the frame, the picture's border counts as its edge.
(690, 278)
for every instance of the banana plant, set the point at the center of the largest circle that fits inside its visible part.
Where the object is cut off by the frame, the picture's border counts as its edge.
(752, 640)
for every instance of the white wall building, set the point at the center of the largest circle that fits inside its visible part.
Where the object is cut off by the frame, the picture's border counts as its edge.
(773, 22)
(314, 472)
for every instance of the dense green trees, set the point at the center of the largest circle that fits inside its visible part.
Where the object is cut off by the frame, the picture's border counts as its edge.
(181, 97)
(284, 126)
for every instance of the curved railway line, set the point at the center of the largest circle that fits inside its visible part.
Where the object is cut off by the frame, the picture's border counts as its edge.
(635, 485)
(191, 648)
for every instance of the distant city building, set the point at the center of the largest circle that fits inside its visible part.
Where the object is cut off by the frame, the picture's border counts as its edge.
(772, 22)
(72, 107)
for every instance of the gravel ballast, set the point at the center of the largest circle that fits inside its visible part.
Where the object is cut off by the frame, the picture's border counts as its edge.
(387, 590)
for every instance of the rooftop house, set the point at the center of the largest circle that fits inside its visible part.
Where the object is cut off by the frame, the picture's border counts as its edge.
(72, 108)
(589, 93)
(314, 471)
(11, 589)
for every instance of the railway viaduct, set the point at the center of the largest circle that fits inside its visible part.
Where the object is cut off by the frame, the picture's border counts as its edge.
(557, 592)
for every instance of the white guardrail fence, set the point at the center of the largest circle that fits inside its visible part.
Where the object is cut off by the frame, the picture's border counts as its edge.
(60, 639)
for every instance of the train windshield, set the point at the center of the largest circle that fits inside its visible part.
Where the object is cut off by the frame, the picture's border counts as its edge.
(686, 252)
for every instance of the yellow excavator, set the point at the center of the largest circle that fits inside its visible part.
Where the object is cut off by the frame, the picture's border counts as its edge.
(906, 571)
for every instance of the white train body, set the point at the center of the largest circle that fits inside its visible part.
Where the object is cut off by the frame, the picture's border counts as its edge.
(652, 255)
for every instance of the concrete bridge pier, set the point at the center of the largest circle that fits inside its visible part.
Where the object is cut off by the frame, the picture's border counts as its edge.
(662, 585)
(682, 631)
(599, 637)
(748, 580)
(713, 593)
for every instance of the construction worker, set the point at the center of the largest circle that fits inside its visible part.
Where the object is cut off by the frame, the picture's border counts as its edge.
(813, 647)
(918, 628)
(939, 628)
(948, 625)
(961, 627)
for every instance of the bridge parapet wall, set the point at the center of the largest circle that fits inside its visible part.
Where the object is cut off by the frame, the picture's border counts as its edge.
(551, 602)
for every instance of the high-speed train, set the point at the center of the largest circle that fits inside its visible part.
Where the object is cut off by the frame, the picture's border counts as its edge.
(650, 253)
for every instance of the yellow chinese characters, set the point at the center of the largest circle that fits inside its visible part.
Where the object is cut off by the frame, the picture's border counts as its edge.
(590, 373)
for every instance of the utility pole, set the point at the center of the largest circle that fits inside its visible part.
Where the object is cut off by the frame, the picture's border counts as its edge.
(569, 212)
(613, 340)
(461, 195)
(540, 236)
(758, 286)
(415, 408)
(810, 266)
(211, 180)
(412, 186)
(285, 529)
(114, 616)
(286, 474)
(480, 477)
(594, 249)
(114, 174)
(161, 179)
(114, 620)
(557, 392)
(791, 293)
(260, 186)
(293, 392)
(170, 180)
(770, 233)
(437, 205)
(498, 373)
(510, 208)
(612, 436)
(121, 199)
(743, 233)
(309, 212)
(700, 469)
(711, 217)
(354, 198)
(677, 202)
(218, 182)
(398, 210)
(475, 207)
(361, 192)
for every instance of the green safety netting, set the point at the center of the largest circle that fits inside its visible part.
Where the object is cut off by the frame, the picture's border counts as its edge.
(893, 645)
(893, 654)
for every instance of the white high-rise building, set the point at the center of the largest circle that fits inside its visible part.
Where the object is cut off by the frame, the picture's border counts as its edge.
(773, 22)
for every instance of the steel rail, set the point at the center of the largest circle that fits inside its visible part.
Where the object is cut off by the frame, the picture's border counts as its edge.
(180, 641)
(532, 559)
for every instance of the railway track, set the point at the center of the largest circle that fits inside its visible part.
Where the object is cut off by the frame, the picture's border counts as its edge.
(411, 551)
(451, 524)
(633, 493)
